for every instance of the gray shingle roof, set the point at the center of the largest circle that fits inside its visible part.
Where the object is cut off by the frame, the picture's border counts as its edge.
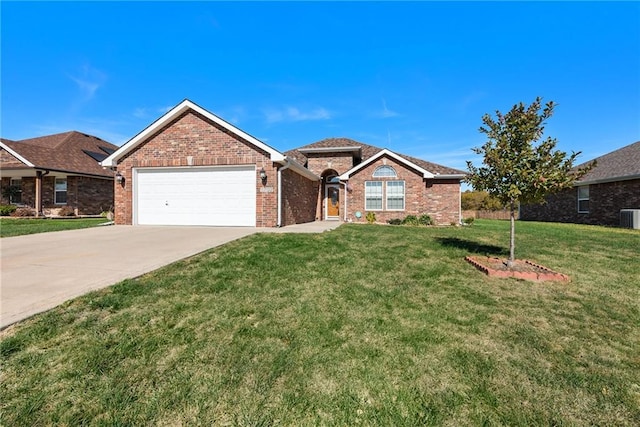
(367, 152)
(617, 165)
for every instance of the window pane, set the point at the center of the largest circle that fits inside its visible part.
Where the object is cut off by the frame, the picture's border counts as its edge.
(15, 196)
(61, 191)
(373, 195)
(395, 195)
(384, 172)
(583, 205)
(61, 184)
(583, 192)
(61, 197)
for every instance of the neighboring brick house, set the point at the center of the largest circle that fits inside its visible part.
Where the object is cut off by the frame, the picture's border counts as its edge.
(599, 196)
(191, 167)
(55, 171)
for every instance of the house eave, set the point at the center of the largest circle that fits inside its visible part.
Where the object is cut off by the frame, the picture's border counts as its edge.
(299, 169)
(606, 180)
(448, 176)
(425, 173)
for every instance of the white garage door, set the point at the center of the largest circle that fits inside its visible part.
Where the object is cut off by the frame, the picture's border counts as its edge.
(218, 196)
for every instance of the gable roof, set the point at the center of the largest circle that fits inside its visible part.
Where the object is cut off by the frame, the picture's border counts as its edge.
(368, 152)
(71, 152)
(425, 173)
(619, 165)
(174, 113)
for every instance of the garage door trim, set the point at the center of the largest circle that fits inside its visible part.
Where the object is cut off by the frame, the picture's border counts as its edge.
(251, 190)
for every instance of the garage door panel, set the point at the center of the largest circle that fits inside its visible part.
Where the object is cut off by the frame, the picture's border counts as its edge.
(204, 196)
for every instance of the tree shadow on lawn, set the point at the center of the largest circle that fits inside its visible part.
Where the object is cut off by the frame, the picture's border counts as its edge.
(471, 246)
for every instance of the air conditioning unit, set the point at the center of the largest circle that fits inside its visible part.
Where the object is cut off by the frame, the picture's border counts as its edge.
(630, 218)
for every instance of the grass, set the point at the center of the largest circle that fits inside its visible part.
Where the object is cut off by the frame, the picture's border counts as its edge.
(18, 227)
(364, 325)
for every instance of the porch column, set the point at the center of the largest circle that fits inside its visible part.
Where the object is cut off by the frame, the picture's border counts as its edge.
(38, 193)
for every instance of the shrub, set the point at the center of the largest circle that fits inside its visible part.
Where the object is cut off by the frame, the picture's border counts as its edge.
(66, 211)
(371, 217)
(468, 221)
(425, 220)
(395, 221)
(410, 220)
(24, 212)
(6, 210)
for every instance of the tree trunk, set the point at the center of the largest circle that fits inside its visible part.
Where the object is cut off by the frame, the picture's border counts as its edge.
(512, 238)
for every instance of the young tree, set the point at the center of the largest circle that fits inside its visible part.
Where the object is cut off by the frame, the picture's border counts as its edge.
(518, 166)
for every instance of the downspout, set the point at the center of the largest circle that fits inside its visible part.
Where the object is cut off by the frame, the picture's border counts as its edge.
(285, 167)
(346, 197)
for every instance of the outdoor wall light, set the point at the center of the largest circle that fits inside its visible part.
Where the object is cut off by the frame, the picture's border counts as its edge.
(263, 175)
(119, 178)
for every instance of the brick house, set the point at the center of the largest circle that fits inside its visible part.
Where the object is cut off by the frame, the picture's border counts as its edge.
(599, 196)
(358, 178)
(191, 167)
(55, 171)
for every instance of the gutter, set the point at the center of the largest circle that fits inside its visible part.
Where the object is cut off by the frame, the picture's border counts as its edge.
(606, 180)
(448, 176)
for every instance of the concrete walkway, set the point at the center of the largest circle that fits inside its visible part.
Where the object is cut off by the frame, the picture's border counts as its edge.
(41, 271)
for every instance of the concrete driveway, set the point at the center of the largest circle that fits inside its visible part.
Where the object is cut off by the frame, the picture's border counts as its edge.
(41, 271)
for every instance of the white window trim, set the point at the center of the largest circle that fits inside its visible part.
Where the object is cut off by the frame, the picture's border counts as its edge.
(381, 197)
(580, 199)
(385, 196)
(386, 167)
(404, 195)
(55, 191)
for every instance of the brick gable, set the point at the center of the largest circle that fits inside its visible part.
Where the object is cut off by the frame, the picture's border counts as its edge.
(191, 140)
(438, 198)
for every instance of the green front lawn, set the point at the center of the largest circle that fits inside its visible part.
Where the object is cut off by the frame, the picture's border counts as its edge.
(18, 227)
(363, 325)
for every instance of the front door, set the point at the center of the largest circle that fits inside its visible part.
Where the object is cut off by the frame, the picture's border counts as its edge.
(332, 201)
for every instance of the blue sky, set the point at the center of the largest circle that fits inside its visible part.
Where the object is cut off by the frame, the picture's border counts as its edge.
(412, 77)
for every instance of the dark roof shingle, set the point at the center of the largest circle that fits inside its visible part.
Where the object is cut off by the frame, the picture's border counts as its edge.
(368, 151)
(623, 163)
(65, 152)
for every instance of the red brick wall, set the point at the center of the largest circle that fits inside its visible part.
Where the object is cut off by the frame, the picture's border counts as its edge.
(87, 196)
(191, 135)
(319, 162)
(605, 202)
(299, 198)
(440, 199)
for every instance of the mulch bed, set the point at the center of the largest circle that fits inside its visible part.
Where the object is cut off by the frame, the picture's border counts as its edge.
(522, 269)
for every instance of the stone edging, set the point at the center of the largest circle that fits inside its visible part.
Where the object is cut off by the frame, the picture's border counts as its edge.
(546, 275)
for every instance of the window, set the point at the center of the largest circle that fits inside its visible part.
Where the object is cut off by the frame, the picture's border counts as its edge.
(61, 191)
(373, 195)
(392, 192)
(15, 191)
(384, 172)
(395, 195)
(583, 199)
